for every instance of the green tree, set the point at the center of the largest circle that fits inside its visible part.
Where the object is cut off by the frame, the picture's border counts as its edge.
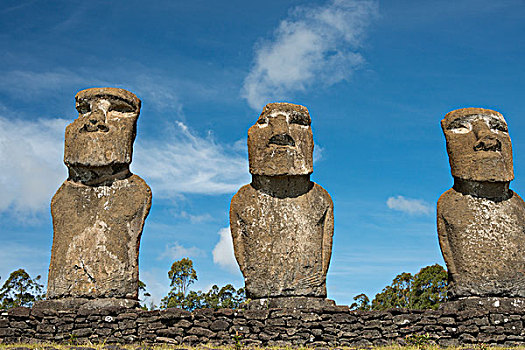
(362, 302)
(20, 290)
(425, 290)
(429, 288)
(397, 295)
(226, 297)
(182, 275)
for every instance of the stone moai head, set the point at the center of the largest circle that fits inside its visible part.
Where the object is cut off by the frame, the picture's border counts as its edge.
(478, 145)
(281, 141)
(104, 132)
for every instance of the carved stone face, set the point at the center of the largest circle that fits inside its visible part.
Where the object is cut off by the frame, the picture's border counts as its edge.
(478, 145)
(281, 142)
(104, 132)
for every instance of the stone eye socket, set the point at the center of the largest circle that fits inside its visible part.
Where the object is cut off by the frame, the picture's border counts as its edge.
(299, 119)
(120, 106)
(83, 107)
(459, 124)
(498, 125)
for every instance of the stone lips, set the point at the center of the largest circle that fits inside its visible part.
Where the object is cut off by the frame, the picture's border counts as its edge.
(104, 132)
(480, 220)
(282, 223)
(100, 210)
(290, 152)
(97, 231)
(468, 159)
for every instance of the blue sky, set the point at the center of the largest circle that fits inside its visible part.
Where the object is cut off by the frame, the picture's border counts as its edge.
(377, 78)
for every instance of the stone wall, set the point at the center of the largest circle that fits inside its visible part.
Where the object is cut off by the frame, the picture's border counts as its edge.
(333, 326)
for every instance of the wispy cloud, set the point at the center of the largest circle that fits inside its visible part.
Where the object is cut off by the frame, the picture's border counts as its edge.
(157, 284)
(31, 155)
(154, 90)
(223, 252)
(409, 205)
(185, 162)
(24, 83)
(314, 45)
(176, 251)
(195, 219)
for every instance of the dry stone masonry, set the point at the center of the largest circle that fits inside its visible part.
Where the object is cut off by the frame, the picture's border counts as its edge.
(319, 327)
(480, 220)
(282, 223)
(99, 211)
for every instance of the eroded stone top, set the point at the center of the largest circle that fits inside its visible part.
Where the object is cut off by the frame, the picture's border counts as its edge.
(478, 145)
(281, 141)
(104, 132)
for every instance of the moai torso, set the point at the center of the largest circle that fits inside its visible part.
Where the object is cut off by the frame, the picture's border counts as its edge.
(483, 242)
(99, 212)
(481, 222)
(282, 223)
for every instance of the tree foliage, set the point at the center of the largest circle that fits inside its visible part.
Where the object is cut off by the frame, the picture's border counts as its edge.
(362, 302)
(20, 290)
(427, 289)
(182, 275)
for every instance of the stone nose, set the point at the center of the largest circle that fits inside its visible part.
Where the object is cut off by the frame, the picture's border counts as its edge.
(96, 121)
(486, 140)
(488, 143)
(279, 125)
(97, 116)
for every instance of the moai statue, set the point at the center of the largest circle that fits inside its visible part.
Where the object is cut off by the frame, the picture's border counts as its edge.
(481, 222)
(282, 223)
(99, 211)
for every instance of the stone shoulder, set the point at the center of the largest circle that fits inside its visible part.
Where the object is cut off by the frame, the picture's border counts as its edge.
(319, 191)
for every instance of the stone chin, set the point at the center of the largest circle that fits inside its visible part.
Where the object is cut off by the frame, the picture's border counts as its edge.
(279, 161)
(487, 166)
(114, 146)
(105, 129)
(478, 145)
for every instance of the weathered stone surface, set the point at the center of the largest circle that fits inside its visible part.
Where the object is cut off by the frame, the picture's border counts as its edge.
(282, 223)
(281, 142)
(99, 212)
(287, 327)
(105, 129)
(480, 221)
(478, 145)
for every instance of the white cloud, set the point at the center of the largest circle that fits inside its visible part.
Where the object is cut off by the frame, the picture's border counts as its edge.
(409, 205)
(314, 45)
(31, 154)
(154, 286)
(223, 252)
(195, 219)
(188, 163)
(175, 251)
